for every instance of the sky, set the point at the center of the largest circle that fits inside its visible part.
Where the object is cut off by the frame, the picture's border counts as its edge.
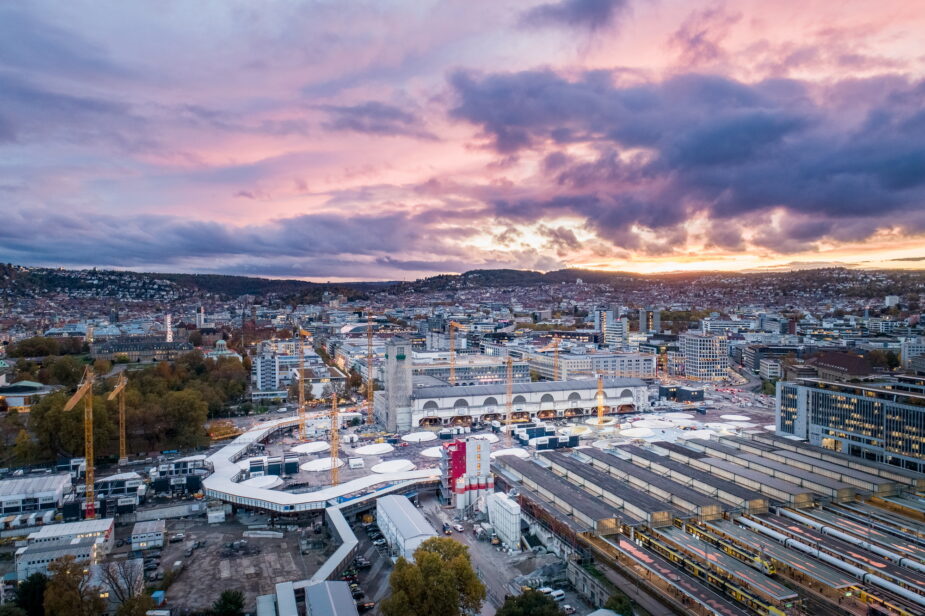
(393, 140)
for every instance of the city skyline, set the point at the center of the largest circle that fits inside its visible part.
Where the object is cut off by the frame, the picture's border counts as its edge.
(349, 141)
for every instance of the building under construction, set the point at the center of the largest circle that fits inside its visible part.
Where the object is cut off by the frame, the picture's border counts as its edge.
(734, 525)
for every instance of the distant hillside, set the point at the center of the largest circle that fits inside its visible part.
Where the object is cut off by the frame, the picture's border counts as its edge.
(838, 281)
(20, 281)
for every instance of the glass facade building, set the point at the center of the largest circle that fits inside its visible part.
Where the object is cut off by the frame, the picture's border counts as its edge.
(875, 421)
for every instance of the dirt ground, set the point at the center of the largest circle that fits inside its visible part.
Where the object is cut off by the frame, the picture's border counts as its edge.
(214, 568)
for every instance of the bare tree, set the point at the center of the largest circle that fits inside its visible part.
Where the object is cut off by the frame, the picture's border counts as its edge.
(124, 579)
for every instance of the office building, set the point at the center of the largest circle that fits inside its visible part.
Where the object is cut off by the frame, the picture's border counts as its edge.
(770, 369)
(909, 349)
(589, 365)
(706, 356)
(873, 421)
(650, 320)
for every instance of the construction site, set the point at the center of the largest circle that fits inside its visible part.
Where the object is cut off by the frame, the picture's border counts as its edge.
(753, 523)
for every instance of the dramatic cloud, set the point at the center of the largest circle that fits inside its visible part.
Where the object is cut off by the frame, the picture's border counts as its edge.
(375, 118)
(696, 144)
(590, 14)
(332, 140)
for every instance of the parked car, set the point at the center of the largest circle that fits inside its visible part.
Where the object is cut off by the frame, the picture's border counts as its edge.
(365, 606)
(379, 542)
(458, 528)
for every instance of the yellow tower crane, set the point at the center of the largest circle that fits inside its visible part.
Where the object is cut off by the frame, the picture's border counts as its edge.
(335, 441)
(453, 326)
(85, 392)
(119, 391)
(600, 399)
(370, 386)
(509, 402)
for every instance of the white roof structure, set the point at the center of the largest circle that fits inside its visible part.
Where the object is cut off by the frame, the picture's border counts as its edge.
(393, 466)
(21, 487)
(222, 484)
(407, 520)
(82, 528)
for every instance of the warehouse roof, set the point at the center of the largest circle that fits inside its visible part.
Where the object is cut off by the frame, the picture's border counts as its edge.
(330, 599)
(407, 519)
(83, 527)
(34, 485)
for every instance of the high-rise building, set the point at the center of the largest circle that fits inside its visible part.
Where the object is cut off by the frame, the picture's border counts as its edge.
(706, 357)
(874, 421)
(168, 327)
(911, 348)
(650, 320)
(265, 372)
(200, 317)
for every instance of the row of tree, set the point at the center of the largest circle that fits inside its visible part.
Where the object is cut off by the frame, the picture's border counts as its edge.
(41, 346)
(167, 406)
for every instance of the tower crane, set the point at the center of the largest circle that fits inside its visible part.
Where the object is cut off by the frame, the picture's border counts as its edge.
(85, 392)
(335, 441)
(119, 392)
(509, 402)
(370, 386)
(600, 399)
(453, 326)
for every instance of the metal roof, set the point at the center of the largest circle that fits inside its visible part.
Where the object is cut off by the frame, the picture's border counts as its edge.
(330, 599)
(407, 519)
(522, 388)
(72, 528)
(21, 486)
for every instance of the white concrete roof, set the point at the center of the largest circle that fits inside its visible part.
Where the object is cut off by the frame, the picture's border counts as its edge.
(222, 482)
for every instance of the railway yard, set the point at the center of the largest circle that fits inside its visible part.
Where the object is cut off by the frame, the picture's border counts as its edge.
(753, 523)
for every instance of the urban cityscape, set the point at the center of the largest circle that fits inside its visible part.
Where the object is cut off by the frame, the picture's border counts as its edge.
(549, 307)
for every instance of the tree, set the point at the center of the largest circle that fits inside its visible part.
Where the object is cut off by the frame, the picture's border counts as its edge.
(30, 595)
(136, 606)
(69, 592)
(620, 603)
(440, 582)
(25, 448)
(229, 603)
(531, 603)
(11, 609)
(123, 579)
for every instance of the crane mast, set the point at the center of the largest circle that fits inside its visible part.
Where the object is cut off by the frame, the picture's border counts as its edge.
(509, 402)
(85, 388)
(335, 441)
(119, 392)
(600, 399)
(370, 387)
(555, 360)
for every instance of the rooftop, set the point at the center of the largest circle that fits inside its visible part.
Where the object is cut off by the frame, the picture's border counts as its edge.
(522, 388)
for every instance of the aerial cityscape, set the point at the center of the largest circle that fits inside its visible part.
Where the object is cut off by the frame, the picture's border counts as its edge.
(444, 308)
